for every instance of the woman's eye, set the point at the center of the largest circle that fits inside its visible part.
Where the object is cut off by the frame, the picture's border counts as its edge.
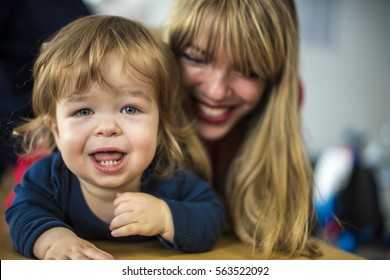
(251, 75)
(83, 112)
(129, 110)
(193, 58)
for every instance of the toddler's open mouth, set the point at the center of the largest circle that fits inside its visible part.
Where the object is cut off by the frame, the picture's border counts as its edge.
(108, 161)
(108, 158)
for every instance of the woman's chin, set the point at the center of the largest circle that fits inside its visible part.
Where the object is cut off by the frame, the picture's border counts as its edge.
(211, 132)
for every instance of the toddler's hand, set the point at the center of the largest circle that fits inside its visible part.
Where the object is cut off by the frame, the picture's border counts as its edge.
(141, 214)
(62, 244)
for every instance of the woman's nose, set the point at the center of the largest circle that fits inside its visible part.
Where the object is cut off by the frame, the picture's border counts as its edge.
(216, 85)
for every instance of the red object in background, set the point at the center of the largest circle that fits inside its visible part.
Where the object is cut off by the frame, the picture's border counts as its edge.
(22, 164)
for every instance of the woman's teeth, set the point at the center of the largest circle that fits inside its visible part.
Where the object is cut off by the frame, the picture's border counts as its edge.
(212, 112)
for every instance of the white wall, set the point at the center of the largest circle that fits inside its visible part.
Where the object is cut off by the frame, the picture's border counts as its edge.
(150, 12)
(345, 67)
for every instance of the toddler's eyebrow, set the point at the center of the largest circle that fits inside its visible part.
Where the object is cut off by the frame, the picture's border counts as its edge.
(139, 93)
(75, 98)
(133, 93)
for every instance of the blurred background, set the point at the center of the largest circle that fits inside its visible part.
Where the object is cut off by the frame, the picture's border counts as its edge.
(345, 68)
(345, 73)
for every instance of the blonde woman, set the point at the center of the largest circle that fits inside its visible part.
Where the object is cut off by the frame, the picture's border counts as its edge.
(107, 97)
(239, 62)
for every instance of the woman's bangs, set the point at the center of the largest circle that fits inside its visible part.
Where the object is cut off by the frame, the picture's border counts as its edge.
(248, 56)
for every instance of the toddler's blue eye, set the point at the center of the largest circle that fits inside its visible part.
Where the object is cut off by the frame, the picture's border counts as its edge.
(129, 110)
(84, 112)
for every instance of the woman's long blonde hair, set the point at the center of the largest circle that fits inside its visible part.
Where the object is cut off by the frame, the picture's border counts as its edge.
(269, 183)
(75, 57)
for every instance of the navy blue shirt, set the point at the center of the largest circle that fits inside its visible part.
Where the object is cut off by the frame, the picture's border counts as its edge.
(50, 196)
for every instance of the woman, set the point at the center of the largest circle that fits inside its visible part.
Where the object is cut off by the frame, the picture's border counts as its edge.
(240, 69)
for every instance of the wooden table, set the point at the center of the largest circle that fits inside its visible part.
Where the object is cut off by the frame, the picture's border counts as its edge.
(228, 248)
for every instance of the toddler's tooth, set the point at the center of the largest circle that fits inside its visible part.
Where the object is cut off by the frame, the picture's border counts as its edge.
(109, 162)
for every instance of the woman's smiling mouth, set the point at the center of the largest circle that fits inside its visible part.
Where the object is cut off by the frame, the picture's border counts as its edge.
(212, 114)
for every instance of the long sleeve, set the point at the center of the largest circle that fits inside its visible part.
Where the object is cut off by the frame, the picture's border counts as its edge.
(50, 196)
(198, 214)
(35, 209)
